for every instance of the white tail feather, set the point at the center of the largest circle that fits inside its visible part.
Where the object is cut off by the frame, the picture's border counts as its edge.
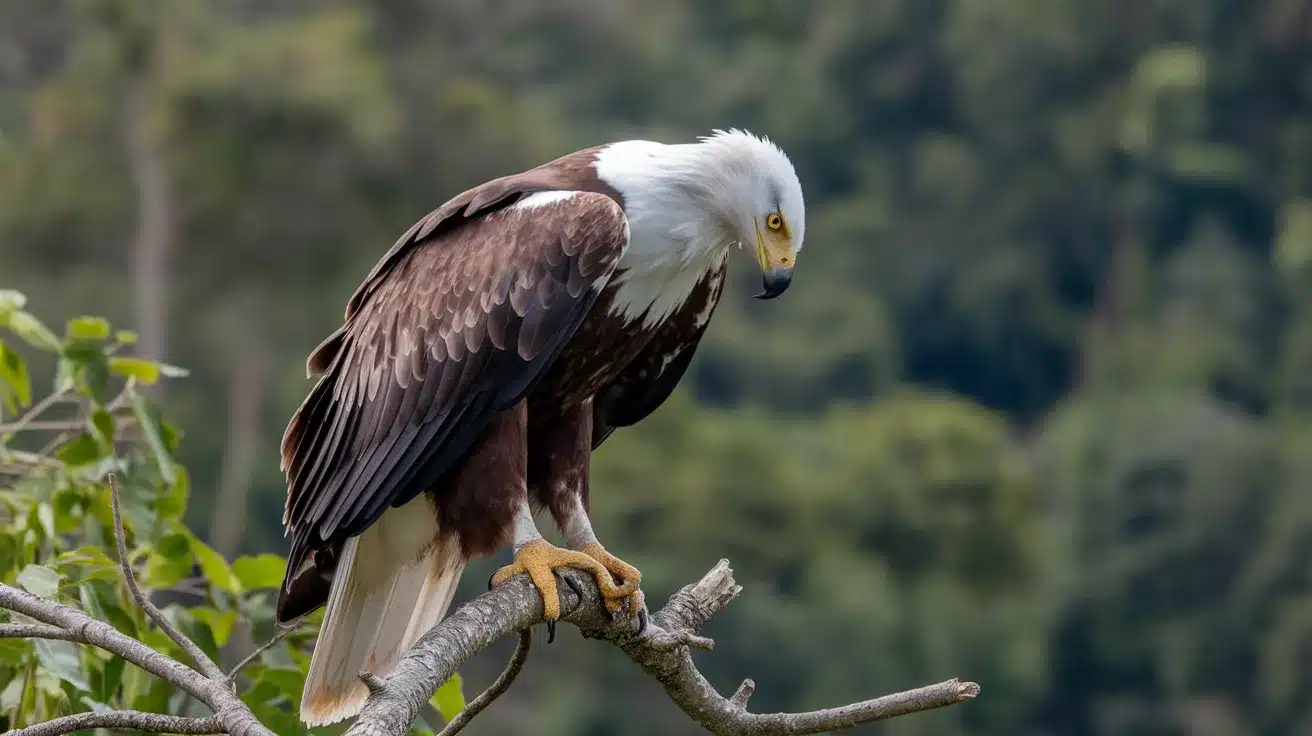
(386, 593)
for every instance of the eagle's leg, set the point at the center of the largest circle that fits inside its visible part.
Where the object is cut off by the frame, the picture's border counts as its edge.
(539, 558)
(579, 535)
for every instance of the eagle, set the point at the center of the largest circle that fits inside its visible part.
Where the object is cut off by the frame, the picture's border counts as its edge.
(498, 344)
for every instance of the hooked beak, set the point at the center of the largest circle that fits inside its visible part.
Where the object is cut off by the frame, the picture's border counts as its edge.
(776, 269)
(775, 281)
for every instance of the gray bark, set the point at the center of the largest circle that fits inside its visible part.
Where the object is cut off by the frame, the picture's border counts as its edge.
(662, 649)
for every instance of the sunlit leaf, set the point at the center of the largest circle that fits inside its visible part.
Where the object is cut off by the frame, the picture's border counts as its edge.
(125, 337)
(39, 580)
(31, 329)
(214, 567)
(450, 698)
(145, 371)
(260, 571)
(88, 328)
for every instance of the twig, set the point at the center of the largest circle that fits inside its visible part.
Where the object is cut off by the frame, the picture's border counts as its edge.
(662, 648)
(496, 689)
(206, 665)
(266, 646)
(35, 631)
(37, 410)
(121, 720)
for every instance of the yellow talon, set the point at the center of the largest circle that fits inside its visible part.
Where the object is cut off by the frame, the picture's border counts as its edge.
(539, 558)
(620, 570)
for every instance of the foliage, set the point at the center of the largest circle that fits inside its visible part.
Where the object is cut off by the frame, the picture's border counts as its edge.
(56, 527)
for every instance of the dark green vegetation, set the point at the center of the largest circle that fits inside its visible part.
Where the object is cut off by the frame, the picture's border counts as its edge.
(1035, 411)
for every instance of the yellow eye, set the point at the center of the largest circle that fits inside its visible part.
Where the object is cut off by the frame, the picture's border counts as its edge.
(774, 221)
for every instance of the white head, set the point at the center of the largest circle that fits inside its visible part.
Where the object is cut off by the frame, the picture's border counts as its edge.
(756, 189)
(688, 203)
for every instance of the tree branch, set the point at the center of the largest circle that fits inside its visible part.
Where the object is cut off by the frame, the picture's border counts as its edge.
(35, 631)
(206, 665)
(122, 720)
(661, 648)
(496, 689)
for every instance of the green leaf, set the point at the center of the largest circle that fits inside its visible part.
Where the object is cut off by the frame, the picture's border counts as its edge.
(125, 337)
(39, 580)
(61, 659)
(145, 371)
(13, 652)
(290, 682)
(81, 450)
(173, 504)
(174, 546)
(166, 572)
(100, 600)
(15, 382)
(102, 423)
(88, 328)
(214, 566)
(450, 698)
(220, 623)
(148, 419)
(31, 329)
(110, 678)
(260, 571)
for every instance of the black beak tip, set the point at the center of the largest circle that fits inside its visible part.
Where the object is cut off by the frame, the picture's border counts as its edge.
(775, 282)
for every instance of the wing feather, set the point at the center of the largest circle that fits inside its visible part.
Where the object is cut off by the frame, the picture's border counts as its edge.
(443, 335)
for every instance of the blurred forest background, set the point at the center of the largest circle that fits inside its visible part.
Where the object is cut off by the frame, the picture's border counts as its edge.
(1034, 413)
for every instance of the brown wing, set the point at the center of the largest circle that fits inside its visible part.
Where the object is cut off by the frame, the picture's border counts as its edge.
(456, 327)
(652, 375)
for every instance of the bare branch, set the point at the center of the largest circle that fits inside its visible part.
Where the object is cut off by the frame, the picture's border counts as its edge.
(662, 648)
(122, 720)
(496, 689)
(34, 631)
(266, 646)
(28, 419)
(206, 665)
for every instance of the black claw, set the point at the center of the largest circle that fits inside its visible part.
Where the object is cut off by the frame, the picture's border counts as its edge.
(551, 631)
(642, 620)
